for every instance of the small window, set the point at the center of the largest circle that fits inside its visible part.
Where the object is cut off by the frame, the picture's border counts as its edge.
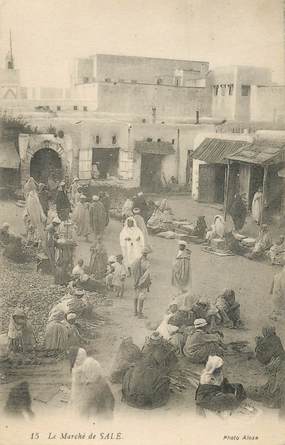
(159, 81)
(245, 90)
(158, 140)
(173, 141)
(231, 89)
(97, 139)
(58, 107)
(149, 139)
(75, 107)
(85, 108)
(223, 90)
(177, 82)
(114, 140)
(107, 79)
(85, 79)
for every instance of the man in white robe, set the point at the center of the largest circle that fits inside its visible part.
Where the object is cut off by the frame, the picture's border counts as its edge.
(132, 242)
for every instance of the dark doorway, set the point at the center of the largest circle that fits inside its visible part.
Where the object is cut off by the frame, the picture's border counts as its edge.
(220, 183)
(44, 164)
(151, 172)
(107, 161)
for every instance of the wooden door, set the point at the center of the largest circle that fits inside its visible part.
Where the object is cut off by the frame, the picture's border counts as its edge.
(207, 188)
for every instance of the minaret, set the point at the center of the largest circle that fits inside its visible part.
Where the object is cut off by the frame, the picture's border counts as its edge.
(10, 57)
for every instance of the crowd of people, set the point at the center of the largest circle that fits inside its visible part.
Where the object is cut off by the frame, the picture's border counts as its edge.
(191, 331)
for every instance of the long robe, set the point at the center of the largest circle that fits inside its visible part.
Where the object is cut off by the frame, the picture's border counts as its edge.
(56, 336)
(62, 205)
(132, 243)
(140, 203)
(238, 212)
(30, 185)
(81, 218)
(91, 395)
(37, 216)
(128, 354)
(21, 337)
(181, 271)
(98, 217)
(141, 273)
(200, 345)
(256, 208)
(141, 225)
(98, 261)
(74, 193)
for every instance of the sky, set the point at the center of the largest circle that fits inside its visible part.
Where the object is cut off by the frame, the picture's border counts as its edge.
(49, 34)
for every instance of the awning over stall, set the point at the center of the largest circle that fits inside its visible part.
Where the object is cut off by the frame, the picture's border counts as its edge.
(260, 153)
(9, 157)
(215, 150)
(159, 148)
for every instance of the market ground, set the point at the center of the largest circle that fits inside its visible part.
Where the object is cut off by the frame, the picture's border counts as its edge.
(211, 274)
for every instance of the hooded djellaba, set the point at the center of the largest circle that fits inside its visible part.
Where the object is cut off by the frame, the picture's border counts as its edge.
(20, 333)
(127, 355)
(238, 212)
(91, 395)
(146, 384)
(131, 241)
(98, 216)
(270, 352)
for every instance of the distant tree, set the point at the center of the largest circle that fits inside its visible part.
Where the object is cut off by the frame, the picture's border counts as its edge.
(12, 126)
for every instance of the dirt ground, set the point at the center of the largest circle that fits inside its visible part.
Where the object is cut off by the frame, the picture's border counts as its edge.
(211, 274)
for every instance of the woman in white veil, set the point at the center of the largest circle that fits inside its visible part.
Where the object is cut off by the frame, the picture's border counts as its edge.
(131, 241)
(91, 395)
(36, 214)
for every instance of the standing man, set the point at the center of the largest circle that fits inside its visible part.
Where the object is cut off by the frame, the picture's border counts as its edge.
(140, 203)
(142, 282)
(97, 216)
(52, 237)
(105, 199)
(181, 271)
(257, 205)
(62, 203)
(73, 191)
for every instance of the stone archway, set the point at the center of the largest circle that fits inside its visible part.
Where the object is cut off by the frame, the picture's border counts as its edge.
(30, 145)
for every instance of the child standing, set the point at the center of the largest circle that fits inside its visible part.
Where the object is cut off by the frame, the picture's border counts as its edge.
(110, 272)
(119, 276)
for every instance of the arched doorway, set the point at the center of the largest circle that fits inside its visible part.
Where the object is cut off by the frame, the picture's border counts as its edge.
(46, 163)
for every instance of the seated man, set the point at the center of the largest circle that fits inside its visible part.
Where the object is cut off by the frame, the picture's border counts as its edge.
(214, 392)
(79, 305)
(200, 344)
(262, 244)
(85, 282)
(277, 252)
(204, 309)
(270, 352)
(173, 327)
(78, 270)
(229, 309)
(21, 336)
(146, 384)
